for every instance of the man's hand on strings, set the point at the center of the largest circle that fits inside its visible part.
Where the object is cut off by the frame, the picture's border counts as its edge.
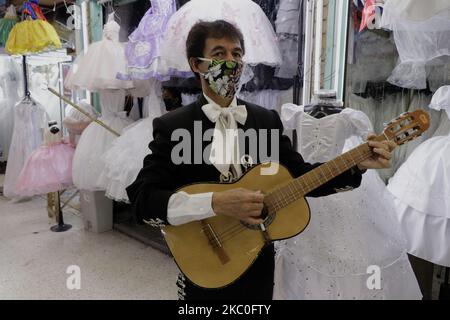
(242, 204)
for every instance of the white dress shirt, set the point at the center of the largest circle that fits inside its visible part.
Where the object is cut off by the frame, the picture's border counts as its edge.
(183, 208)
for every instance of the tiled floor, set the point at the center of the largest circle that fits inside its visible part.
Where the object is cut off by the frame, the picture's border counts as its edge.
(34, 260)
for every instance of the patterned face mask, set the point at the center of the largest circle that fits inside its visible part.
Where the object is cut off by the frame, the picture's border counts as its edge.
(223, 76)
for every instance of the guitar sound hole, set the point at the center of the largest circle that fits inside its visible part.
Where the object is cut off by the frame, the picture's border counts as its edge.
(264, 212)
(265, 215)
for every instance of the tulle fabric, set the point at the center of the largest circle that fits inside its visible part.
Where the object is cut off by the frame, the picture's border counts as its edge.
(260, 40)
(143, 48)
(31, 36)
(97, 69)
(95, 140)
(30, 119)
(418, 42)
(417, 10)
(10, 80)
(286, 27)
(48, 169)
(124, 158)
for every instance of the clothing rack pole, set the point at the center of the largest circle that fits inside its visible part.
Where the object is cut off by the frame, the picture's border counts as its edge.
(84, 112)
(25, 76)
(298, 79)
(61, 226)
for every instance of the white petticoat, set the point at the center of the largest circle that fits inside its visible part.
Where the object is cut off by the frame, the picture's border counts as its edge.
(123, 160)
(261, 46)
(95, 140)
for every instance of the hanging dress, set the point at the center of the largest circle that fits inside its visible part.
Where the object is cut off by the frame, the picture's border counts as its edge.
(32, 35)
(421, 31)
(97, 69)
(48, 168)
(144, 46)
(421, 188)
(286, 26)
(40, 77)
(349, 231)
(261, 44)
(95, 140)
(124, 158)
(30, 119)
(7, 23)
(10, 79)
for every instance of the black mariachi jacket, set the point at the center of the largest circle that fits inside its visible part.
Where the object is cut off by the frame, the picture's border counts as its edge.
(160, 177)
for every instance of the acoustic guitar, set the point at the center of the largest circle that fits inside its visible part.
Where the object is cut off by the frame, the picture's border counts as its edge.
(215, 252)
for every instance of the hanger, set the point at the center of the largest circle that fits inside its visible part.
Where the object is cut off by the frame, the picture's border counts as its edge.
(112, 15)
(323, 104)
(321, 110)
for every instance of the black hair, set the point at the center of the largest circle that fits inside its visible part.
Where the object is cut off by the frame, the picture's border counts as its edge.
(195, 43)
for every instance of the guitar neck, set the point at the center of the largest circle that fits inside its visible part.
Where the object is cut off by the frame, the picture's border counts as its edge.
(298, 188)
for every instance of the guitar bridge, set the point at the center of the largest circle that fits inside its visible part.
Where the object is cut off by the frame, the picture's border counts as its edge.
(215, 242)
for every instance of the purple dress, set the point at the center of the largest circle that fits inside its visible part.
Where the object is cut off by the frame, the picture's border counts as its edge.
(144, 44)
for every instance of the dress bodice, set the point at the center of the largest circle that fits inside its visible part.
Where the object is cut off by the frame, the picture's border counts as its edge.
(321, 140)
(112, 103)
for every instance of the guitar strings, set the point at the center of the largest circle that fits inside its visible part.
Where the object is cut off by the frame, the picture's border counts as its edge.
(232, 228)
(235, 229)
(314, 179)
(230, 236)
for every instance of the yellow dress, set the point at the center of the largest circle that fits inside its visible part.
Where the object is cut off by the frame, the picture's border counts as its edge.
(31, 36)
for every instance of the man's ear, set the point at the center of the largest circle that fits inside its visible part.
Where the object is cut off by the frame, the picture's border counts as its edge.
(193, 62)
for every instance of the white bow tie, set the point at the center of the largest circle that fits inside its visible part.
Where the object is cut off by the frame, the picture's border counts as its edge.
(225, 144)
